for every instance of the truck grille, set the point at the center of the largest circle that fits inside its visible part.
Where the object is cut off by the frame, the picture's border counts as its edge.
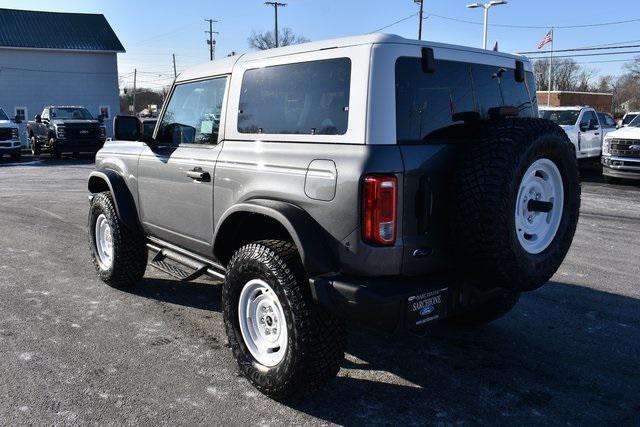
(82, 131)
(6, 134)
(622, 147)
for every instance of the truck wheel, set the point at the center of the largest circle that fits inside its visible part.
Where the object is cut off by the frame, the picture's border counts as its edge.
(35, 147)
(515, 204)
(487, 311)
(612, 179)
(283, 342)
(118, 254)
(55, 151)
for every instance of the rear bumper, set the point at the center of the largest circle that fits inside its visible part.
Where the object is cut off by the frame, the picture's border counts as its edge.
(396, 303)
(619, 167)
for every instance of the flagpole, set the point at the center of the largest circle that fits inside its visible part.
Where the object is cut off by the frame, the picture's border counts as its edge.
(550, 68)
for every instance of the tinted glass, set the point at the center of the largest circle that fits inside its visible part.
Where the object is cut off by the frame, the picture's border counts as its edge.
(70, 113)
(635, 122)
(193, 113)
(426, 102)
(606, 120)
(430, 102)
(148, 127)
(3, 116)
(628, 118)
(561, 117)
(309, 98)
(587, 117)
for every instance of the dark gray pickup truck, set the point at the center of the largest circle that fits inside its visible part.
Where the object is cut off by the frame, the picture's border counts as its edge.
(65, 130)
(373, 179)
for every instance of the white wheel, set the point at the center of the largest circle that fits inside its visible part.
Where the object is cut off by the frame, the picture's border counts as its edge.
(262, 323)
(104, 242)
(539, 206)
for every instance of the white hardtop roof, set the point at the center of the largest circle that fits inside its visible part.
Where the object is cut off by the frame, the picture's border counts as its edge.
(225, 66)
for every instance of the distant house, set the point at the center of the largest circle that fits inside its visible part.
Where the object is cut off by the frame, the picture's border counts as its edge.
(49, 58)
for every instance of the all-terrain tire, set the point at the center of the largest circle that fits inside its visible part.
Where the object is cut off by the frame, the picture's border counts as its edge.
(35, 147)
(316, 339)
(55, 151)
(612, 179)
(129, 259)
(487, 311)
(485, 190)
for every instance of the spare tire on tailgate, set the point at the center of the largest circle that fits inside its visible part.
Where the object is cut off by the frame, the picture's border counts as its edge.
(515, 202)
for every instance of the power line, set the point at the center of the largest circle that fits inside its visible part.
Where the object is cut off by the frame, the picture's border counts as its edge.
(580, 49)
(465, 21)
(592, 54)
(395, 23)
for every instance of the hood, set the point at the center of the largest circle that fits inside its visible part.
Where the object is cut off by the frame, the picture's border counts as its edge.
(72, 121)
(7, 124)
(625, 132)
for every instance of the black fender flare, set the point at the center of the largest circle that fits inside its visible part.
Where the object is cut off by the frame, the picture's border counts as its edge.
(122, 198)
(308, 236)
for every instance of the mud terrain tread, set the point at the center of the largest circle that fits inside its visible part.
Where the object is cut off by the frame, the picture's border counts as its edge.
(130, 252)
(316, 338)
(483, 202)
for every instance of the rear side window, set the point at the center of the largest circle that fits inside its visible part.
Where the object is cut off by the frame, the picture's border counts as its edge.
(309, 98)
(428, 104)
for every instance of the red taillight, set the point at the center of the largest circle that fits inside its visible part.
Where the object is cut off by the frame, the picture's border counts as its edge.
(379, 214)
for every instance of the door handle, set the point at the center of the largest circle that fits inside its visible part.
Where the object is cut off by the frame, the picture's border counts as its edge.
(597, 133)
(198, 174)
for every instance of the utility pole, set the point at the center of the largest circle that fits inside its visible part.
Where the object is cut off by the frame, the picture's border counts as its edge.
(135, 79)
(211, 42)
(175, 73)
(420, 17)
(275, 5)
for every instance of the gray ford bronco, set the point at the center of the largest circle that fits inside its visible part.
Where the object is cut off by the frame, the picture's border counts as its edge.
(376, 180)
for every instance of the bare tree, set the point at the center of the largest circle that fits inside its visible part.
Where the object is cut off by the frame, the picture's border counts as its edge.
(634, 67)
(266, 40)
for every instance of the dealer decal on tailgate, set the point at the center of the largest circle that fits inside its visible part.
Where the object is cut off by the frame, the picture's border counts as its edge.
(427, 307)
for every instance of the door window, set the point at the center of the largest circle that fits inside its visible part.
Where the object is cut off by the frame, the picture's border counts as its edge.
(309, 98)
(586, 119)
(193, 113)
(21, 113)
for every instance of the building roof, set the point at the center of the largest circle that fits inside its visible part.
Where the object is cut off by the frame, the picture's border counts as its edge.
(52, 30)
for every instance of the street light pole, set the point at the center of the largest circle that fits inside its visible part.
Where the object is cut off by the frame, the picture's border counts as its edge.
(486, 7)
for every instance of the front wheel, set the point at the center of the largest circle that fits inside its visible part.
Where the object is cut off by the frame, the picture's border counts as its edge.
(35, 147)
(55, 150)
(283, 342)
(119, 254)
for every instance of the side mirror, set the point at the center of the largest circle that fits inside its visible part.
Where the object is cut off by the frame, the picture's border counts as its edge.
(38, 118)
(593, 124)
(126, 128)
(584, 127)
(17, 120)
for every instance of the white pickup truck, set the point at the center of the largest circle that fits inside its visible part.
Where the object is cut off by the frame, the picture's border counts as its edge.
(582, 126)
(9, 137)
(621, 153)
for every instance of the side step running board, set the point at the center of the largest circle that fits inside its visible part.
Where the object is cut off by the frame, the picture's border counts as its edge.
(197, 267)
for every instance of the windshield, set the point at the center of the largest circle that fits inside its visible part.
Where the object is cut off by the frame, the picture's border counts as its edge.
(635, 122)
(628, 118)
(561, 117)
(3, 116)
(70, 113)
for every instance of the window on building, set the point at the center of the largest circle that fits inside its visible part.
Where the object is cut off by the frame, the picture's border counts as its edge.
(105, 112)
(308, 98)
(21, 113)
(193, 113)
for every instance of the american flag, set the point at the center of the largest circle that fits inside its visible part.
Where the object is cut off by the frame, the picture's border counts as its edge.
(548, 38)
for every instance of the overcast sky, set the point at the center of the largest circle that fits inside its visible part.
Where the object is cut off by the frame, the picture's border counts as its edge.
(152, 30)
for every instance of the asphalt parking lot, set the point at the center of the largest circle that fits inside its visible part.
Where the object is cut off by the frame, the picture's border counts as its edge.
(74, 351)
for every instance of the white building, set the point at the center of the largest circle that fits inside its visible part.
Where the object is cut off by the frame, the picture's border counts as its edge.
(49, 58)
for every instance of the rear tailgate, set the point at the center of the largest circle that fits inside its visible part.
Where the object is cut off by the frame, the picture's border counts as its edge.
(427, 169)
